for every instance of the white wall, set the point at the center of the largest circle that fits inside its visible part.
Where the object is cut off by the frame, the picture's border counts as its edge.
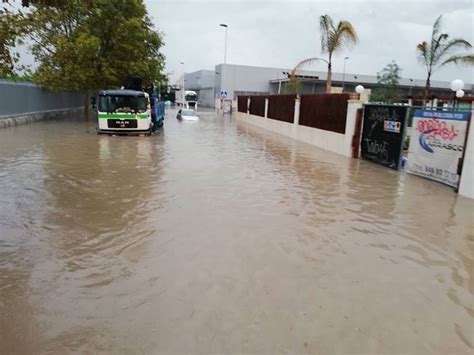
(331, 141)
(206, 97)
(232, 78)
(198, 80)
(466, 186)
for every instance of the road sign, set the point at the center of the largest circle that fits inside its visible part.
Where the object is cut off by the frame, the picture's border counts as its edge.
(223, 94)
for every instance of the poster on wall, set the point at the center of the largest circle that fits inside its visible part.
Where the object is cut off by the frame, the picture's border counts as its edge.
(436, 144)
(382, 134)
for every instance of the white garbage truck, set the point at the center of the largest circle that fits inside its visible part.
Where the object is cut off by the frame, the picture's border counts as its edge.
(187, 99)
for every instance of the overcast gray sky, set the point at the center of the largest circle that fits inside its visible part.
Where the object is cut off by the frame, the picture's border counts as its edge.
(279, 33)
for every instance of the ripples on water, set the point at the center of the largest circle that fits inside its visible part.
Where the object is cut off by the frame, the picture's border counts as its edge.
(219, 237)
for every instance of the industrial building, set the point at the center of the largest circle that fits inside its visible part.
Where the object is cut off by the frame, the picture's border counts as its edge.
(234, 80)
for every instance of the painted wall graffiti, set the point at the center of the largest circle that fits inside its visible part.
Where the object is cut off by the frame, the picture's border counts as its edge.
(382, 134)
(437, 143)
(377, 148)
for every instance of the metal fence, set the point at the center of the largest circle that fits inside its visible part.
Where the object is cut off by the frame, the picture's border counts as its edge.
(22, 97)
(324, 111)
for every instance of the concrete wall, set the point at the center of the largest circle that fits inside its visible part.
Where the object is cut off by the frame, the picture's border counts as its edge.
(245, 79)
(331, 141)
(18, 98)
(466, 186)
(201, 81)
(206, 97)
(26, 118)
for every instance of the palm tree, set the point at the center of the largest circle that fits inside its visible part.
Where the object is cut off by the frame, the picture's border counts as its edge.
(441, 51)
(333, 39)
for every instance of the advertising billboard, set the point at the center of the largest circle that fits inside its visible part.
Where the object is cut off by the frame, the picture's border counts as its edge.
(436, 144)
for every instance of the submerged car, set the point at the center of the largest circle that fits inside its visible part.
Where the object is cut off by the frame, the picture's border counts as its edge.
(187, 115)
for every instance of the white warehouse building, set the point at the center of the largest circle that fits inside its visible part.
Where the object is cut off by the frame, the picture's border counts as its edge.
(234, 80)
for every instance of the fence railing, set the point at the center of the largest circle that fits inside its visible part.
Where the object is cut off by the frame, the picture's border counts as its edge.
(281, 107)
(257, 105)
(23, 97)
(242, 102)
(324, 111)
(327, 121)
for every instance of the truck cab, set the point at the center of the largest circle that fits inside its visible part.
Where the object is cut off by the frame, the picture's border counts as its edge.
(128, 112)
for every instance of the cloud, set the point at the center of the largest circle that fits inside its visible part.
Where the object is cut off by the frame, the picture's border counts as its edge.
(281, 33)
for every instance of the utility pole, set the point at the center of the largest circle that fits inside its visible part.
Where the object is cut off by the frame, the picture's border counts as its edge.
(225, 47)
(184, 92)
(344, 73)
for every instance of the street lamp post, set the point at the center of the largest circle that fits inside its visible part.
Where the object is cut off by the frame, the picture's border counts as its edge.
(184, 92)
(344, 73)
(225, 48)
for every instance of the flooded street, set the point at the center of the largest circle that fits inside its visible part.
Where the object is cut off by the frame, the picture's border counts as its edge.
(218, 237)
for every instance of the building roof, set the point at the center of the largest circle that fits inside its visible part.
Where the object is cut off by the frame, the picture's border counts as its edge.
(350, 78)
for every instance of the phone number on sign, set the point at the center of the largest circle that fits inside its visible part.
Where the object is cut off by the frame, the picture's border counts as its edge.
(440, 172)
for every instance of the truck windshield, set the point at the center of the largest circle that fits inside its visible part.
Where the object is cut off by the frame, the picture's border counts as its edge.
(122, 104)
(191, 97)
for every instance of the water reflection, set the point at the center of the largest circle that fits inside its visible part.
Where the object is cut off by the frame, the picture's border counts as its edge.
(395, 224)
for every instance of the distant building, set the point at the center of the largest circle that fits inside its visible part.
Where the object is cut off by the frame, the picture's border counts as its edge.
(203, 82)
(234, 80)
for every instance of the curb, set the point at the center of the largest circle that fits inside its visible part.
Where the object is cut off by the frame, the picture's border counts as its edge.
(23, 119)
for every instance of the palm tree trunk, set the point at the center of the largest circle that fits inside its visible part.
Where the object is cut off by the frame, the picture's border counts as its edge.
(329, 78)
(427, 87)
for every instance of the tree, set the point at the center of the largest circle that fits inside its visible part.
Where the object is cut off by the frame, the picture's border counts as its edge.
(292, 87)
(333, 39)
(7, 42)
(26, 3)
(82, 47)
(387, 79)
(441, 51)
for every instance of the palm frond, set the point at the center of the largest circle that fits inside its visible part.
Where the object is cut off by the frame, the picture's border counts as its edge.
(326, 27)
(436, 29)
(307, 62)
(423, 53)
(467, 59)
(454, 45)
(301, 64)
(436, 44)
(344, 35)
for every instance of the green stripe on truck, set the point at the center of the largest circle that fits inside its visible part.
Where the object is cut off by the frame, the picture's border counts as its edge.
(125, 116)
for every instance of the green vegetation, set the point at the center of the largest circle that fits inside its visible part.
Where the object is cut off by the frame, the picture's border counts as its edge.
(440, 51)
(83, 47)
(388, 80)
(292, 87)
(333, 39)
(7, 41)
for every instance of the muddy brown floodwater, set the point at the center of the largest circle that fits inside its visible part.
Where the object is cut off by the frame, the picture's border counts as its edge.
(218, 237)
